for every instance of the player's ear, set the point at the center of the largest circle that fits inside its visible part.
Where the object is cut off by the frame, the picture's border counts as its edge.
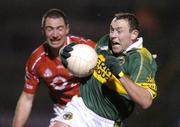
(134, 34)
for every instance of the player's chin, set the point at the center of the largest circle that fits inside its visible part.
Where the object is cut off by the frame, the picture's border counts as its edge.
(116, 49)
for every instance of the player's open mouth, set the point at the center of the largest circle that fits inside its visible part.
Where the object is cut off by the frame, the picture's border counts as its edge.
(115, 43)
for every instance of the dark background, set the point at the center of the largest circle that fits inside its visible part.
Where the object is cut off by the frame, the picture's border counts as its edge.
(20, 34)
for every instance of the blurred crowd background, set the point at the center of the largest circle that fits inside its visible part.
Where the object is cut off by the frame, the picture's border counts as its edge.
(20, 34)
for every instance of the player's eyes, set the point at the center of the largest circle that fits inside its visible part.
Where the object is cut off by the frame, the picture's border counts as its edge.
(116, 31)
(111, 29)
(60, 28)
(119, 31)
(49, 29)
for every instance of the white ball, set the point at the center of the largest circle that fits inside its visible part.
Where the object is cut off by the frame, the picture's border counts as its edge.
(82, 61)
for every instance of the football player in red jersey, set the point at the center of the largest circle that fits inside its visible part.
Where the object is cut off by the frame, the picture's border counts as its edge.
(44, 63)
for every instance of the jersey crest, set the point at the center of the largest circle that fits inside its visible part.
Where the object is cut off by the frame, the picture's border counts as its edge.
(47, 73)
(121, 60)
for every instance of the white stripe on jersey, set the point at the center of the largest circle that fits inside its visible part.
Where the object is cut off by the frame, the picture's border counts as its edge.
(37, 60)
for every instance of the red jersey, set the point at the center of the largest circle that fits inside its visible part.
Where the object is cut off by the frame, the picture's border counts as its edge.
(42, 65)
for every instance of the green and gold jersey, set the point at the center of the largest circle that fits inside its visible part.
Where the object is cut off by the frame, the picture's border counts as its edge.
(103, 93)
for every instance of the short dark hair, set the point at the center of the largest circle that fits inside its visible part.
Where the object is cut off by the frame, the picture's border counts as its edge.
(54, 13)
(133, 21)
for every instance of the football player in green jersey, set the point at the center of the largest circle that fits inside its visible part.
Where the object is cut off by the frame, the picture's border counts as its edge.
(124, 76)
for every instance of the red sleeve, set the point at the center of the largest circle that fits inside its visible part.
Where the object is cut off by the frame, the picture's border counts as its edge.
(82, 40)
(31, 77)
(90, 43)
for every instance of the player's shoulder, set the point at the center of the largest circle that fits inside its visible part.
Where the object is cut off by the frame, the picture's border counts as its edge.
(39, 51)
(104, 38)
(146, 53)
(82, 40)
(103, 43)
(141, 55)
(77, 39)
(37, 54)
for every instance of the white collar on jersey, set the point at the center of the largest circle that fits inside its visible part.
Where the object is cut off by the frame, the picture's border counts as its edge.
(135, 45)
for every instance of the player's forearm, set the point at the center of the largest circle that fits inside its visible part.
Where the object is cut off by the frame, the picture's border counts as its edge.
(19, 121)
(23, 110)
(140, 95)
(21, 115)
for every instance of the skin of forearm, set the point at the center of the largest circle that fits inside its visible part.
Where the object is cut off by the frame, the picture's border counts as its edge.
(21, 117)
(139, 94)
(22, 112)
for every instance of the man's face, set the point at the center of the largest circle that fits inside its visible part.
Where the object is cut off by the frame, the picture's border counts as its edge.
(120, 35)
(55, 31)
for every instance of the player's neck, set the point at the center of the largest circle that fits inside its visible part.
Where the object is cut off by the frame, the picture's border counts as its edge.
(55, 51)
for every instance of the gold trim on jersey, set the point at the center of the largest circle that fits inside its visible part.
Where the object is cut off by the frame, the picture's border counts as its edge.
(103, 74)
(151, 87)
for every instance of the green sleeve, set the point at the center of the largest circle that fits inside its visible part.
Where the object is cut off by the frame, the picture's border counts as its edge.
(143, 66)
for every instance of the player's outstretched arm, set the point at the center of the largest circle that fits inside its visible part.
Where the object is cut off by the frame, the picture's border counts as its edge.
(23, 109)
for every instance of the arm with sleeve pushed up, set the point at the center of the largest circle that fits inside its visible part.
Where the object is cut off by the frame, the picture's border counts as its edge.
(23, 109)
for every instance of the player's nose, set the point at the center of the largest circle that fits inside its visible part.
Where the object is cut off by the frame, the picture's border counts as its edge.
(55, 34)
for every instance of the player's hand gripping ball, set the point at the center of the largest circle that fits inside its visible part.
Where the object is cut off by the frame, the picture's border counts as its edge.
(80, 59)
